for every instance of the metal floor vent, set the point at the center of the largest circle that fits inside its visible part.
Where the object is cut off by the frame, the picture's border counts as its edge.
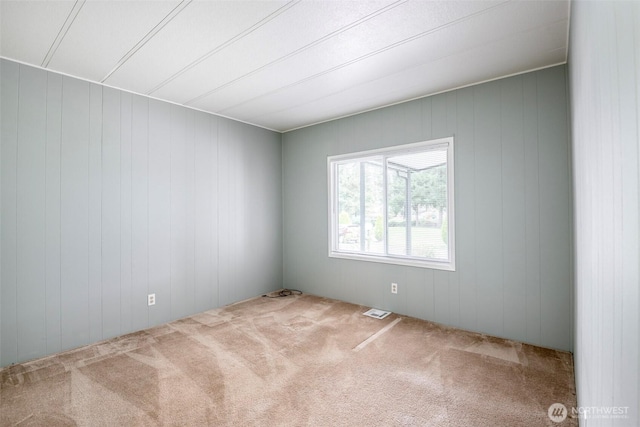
(377, 314)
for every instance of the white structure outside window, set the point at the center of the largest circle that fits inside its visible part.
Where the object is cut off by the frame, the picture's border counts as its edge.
(394, 205)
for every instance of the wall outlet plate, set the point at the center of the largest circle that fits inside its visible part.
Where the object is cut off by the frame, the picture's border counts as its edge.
(151, 299)
(394, 288)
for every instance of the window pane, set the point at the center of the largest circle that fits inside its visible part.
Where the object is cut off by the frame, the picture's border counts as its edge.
(374, 207)
(360, 204)
(348, 177)
(418, 199)
(397, 210)
(429, 201)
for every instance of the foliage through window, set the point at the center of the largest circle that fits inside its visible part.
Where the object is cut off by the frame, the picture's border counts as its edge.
(394, 205)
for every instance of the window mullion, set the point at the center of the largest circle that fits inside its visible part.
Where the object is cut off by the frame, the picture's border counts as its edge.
(385, 207)
(408, 211)
(337, 207)
(362, 207)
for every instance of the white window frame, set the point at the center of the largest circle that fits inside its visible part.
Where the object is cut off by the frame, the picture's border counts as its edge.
(333, 161)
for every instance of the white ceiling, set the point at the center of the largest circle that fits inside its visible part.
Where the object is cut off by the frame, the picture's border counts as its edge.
(286, 64)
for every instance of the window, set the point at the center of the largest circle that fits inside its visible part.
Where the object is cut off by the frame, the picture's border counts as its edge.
(394, 205)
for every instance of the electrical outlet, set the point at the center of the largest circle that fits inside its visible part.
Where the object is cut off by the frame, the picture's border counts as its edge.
(151, 299)
(394, 288)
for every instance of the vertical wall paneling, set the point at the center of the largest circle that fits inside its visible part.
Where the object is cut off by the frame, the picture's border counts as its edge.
(605, 92)
(242, 199)
(9, 238)
(393, 125)
(224, 214)
(426, 120)
(367, 129)
(95, 214)
(619, 197)
(245, 229)
(495, 289)
(411, 117)
(347, 139)
(111, 213)
(609, 206)
(532, 208)
(429, 309)
(555, 212)
(31, 218)
(416, 287)
(178, 212)
(159, 158)
(430, 301)
(139, 212)
(108, 196)
(74, 200)
(488, 209)
(1, 136)
(190, 237)
(260, 164)
(252, 232)
(214, 144)
(627, 344)
(325, 136)
(513, 208)
(52, 209)
(203, 170)
(453, 276)
(464, 194)
(391, 274)
(272, 177)
(295, 257)
(237, 215)
(126, 213)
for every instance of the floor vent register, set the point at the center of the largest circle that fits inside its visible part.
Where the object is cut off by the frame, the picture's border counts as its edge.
(377, 314)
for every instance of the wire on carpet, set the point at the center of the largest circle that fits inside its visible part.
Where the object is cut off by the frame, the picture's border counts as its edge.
(284, 293)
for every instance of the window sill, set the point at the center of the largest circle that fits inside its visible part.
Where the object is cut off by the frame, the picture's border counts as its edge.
(436, 265)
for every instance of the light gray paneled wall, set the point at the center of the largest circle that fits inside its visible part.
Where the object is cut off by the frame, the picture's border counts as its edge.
(513, 210)
(604, 70)
(108, 196)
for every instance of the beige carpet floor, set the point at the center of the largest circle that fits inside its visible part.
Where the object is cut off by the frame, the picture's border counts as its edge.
(294, 361)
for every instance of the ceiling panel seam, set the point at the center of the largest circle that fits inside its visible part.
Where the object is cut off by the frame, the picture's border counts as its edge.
(301, 49)
(362, 83)
(368, 55)
(73, 13)
(310, 61)
(427, 95)
(439, 58)
(168, 101)
(155, 30)
(226, 44)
